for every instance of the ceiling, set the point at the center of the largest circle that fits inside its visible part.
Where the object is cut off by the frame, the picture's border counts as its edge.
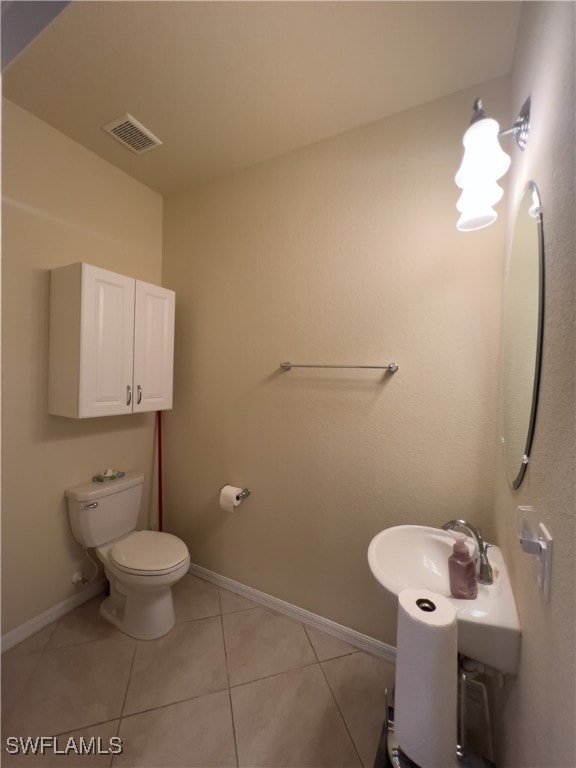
(228, 84)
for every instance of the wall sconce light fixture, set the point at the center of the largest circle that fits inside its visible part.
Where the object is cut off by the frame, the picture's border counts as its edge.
(485, 162)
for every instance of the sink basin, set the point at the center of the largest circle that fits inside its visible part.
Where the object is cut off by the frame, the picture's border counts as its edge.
(416, 557)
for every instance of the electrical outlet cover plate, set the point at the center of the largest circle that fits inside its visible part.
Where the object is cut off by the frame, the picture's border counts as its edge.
(535, 539)
(545, 560)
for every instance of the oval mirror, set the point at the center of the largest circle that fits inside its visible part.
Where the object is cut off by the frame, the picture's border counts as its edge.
(522, 328)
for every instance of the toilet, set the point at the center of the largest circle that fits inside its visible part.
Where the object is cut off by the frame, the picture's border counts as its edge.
(141, 566)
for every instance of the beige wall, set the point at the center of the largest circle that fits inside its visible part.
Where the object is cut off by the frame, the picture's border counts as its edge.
(537, 709)
(343, 252)
(61, 204)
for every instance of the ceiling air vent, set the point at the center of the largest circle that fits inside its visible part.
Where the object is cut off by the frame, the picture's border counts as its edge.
(132, 134)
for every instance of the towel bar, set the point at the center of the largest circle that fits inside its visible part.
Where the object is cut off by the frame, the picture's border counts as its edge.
(391, 367)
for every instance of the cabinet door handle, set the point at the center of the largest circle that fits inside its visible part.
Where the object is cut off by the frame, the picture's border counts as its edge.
(128, 394)
(139, 388)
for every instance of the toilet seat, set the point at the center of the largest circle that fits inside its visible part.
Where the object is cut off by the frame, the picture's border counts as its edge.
(149, 553)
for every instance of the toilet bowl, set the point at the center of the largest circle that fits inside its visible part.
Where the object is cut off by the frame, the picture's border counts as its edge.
(141, 566)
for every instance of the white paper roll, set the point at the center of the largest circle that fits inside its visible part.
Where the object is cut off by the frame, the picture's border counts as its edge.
(230, 498)
(425, 701)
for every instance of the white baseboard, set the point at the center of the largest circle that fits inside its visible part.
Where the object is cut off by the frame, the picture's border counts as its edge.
(30, 627)
(339, 631)
(357, 639)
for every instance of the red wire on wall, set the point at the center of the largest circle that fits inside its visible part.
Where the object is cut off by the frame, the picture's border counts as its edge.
(159, 433)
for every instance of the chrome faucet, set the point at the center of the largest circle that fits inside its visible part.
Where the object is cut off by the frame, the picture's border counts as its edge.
(484, 572)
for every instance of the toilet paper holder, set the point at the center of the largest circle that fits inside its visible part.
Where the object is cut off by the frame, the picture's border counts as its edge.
(244, 493)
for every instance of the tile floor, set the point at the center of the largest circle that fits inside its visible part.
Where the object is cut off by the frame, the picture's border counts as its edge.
(233, 684)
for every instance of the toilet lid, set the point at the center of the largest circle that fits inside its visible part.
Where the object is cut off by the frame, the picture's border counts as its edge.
(149, 551)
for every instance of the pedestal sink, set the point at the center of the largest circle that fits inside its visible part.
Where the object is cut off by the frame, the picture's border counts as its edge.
(416, 557)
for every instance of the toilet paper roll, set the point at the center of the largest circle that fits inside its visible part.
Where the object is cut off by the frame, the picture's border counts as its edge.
(425, 702)
(230, 498)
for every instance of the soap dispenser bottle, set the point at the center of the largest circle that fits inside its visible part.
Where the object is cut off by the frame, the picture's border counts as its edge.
(462, 570)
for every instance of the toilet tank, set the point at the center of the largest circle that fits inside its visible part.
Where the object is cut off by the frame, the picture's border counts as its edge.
(101, 512)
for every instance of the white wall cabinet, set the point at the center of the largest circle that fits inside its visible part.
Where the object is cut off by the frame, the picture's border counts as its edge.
(111, 343)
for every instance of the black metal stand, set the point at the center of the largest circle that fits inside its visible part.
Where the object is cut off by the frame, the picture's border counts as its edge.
(390, 755)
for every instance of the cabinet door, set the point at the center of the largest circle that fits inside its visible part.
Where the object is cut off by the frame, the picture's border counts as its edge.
(107, 343)
(153, 347)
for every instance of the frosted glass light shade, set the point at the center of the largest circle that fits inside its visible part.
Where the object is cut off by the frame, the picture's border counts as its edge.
(476, 219)
(484, 159)
(483, 163)
(475, 206)
(479, 195)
